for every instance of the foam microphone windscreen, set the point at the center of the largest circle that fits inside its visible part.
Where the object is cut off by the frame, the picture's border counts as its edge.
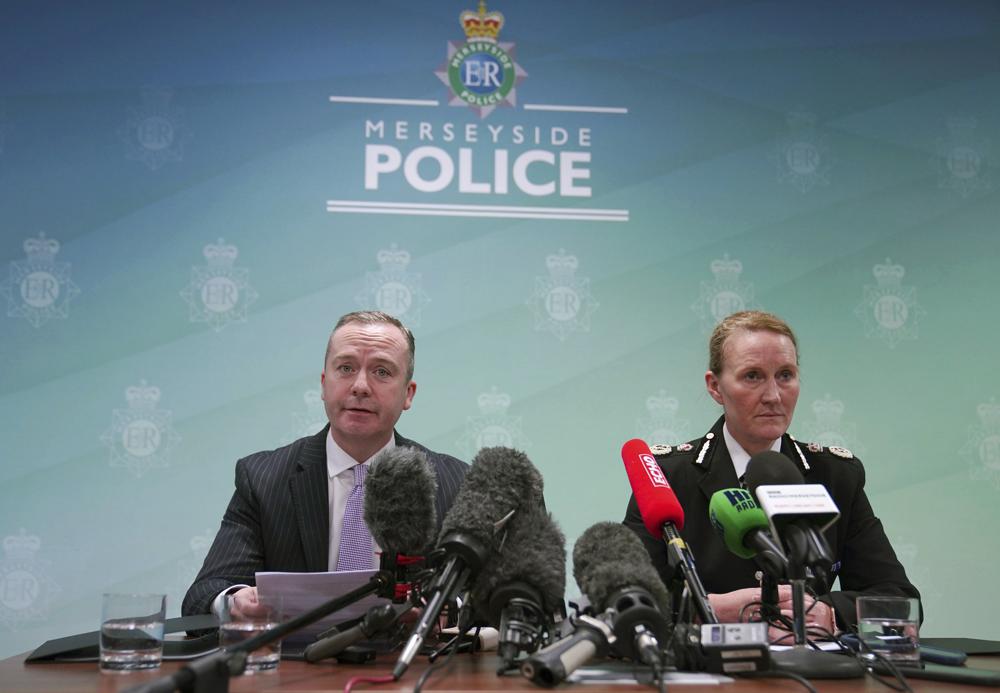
(500, 480)
(399, 506)
(609, 557)
(533, 554)
(657, 502)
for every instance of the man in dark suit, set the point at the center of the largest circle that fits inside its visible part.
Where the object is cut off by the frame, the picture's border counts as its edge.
(295, 508)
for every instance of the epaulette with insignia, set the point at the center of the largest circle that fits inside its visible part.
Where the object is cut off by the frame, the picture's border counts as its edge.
(660, 449)
(841, 452)
(685, 447)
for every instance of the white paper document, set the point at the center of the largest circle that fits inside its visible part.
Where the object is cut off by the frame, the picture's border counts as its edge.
(301, 592)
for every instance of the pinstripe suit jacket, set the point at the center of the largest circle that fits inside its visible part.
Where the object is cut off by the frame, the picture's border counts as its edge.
(279, 516)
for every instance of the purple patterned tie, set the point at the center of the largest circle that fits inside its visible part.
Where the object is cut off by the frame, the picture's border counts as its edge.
(355, 540)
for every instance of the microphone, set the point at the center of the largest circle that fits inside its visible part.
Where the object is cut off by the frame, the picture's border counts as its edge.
(743, 528)
(797, 511)
(499, 483)
(399, 506)
(525, 586)
(378, 618)
(614, 571)
(663, 517)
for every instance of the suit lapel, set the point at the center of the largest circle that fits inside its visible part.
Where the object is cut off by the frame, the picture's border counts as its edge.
(309, 488)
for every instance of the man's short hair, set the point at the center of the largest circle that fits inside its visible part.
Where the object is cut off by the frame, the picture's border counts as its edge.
(375, 317)
(751, 321)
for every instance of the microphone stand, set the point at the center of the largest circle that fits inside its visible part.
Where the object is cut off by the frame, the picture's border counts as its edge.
(211, 674)
(802, 659)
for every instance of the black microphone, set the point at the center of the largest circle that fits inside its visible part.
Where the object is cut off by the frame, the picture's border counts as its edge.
(525, 585)
(377, 619)
(615, 573)
(801, 534)
(500, 482)
(552, 664)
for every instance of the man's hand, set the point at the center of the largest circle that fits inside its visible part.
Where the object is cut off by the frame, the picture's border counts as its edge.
(243, 604)
(730, 606)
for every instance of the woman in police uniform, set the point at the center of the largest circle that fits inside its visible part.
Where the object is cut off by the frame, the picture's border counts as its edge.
(754, 374)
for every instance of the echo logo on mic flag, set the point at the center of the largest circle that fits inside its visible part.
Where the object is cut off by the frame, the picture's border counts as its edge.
(656, 477)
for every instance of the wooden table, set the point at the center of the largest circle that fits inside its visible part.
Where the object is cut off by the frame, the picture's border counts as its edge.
(468, 673)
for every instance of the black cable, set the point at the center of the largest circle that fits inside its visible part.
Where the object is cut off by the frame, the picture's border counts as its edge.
(463, 628)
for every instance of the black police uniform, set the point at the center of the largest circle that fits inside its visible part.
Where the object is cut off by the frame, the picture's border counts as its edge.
(863, 558)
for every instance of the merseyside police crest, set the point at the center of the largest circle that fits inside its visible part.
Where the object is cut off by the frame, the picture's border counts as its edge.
(663, 425)
(38, 288)
(828, 429)
(141, 437)
(982, 449)
(393, 290)
(802, 156)
(492, 427)
(313, 419)
(481, 71)
(562, 301)
(155, 133)
(219, 292)
(962, 158)
(725, 296)
(26, 590)
(889, 310)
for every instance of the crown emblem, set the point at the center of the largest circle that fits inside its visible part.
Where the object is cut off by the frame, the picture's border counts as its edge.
(726, 270)
(828, 411)
(41, 249)
(888, 274)
(660, 406)
(481, 25)
(200, 543)
(313, 399)
(22, 545)
(989, 414)
(493, 402)
(392, 259)
(562, 265)
(142, 396)
(220, 254)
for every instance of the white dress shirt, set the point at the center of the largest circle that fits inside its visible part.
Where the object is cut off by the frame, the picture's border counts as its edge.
(740, 457)
(340, 469)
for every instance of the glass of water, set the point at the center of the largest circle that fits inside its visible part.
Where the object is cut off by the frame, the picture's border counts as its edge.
(237, 627)
(890, 626)
(132, 631)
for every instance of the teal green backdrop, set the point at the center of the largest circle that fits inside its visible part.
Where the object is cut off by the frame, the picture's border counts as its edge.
(191, 194)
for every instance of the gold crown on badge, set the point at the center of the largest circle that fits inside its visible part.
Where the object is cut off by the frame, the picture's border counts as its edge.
(482, 24)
